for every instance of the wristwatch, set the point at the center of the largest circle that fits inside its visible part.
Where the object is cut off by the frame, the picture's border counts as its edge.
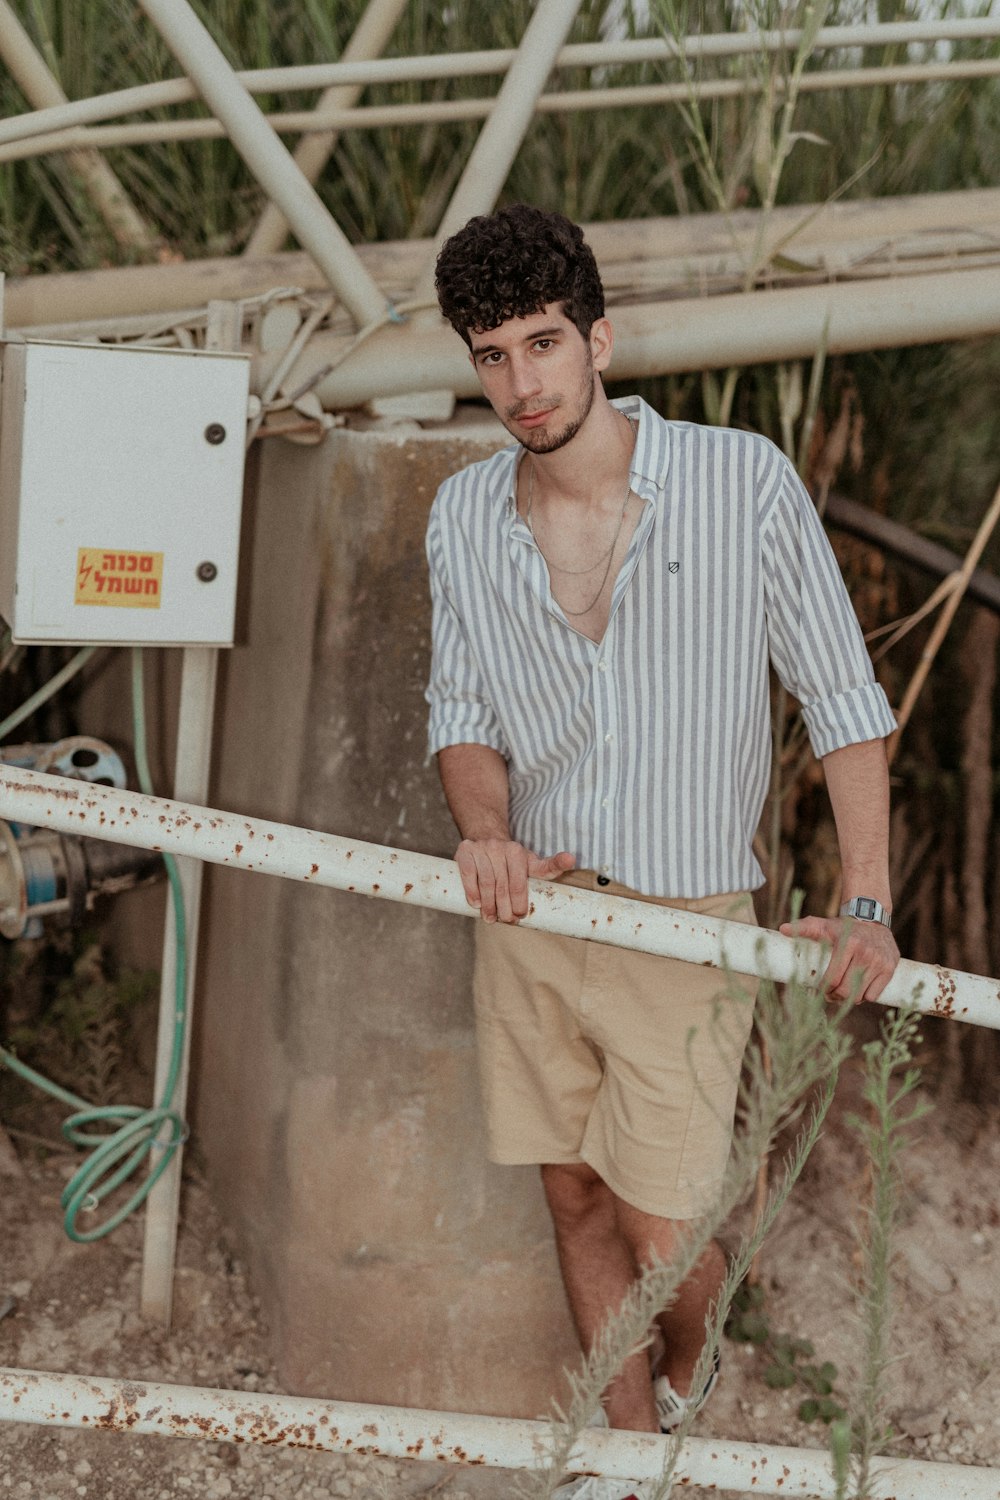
(866, 909)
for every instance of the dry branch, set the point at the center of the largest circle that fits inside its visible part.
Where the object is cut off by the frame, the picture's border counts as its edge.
(944, 621)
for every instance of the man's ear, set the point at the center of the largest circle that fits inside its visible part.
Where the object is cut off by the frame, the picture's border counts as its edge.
(602, 342)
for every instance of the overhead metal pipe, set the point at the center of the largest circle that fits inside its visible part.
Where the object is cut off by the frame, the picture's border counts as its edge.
(311, 155)
(31, 74)
(269, 161)
(267, 848)
(148, 1407)
(470, 64)
(672, 336)
(451, 111)
(662, 251)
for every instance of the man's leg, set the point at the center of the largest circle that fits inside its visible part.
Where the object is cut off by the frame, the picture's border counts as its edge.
(601, 1242)
(683, 1322)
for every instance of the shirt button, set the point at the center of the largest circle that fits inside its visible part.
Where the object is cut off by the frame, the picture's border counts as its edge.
(604, 801)
(603, 880)
(608, 738)
(602, 665)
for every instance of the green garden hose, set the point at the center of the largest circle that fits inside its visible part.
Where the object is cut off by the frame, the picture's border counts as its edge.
(119, 1151)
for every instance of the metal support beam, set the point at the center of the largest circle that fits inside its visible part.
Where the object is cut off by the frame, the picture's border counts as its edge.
(452, 111)
(364, 869)
(270, 162)
(500, 139)
(141, 1406)
(29, 71)
(313, 152)
(693, 333)
(902, 542)
(192, 764)
(194, 749)
(669, 256)
(470, 64)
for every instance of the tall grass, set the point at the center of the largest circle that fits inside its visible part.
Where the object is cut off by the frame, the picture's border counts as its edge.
(394, 182)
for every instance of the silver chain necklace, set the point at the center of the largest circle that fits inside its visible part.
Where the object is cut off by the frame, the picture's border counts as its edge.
(605, 557)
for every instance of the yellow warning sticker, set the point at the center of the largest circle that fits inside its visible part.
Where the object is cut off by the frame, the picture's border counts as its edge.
(124, 580)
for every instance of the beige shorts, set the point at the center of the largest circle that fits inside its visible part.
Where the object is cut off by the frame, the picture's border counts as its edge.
(622, 1060)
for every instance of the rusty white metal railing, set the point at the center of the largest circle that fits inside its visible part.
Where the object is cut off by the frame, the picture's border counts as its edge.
(264, 847)
(267, 848)
(141, 1406)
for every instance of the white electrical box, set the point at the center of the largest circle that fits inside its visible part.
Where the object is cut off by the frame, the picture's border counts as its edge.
(121, 478)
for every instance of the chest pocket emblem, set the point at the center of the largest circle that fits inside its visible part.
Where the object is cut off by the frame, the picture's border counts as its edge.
(674, 567)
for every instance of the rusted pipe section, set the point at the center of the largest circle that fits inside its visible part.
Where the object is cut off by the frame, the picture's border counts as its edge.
(446, 1437)
(267, 848)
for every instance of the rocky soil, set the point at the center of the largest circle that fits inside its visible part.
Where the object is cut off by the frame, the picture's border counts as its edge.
(74, 1308)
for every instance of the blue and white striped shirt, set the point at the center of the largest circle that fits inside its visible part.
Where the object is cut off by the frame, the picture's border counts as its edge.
(647, 755)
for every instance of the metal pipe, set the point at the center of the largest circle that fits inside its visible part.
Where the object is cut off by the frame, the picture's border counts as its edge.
(29, 71)
(652, 250)
(500, 139)
(195, 719)
(472, 64)
(324, 859)
(311, 155)
(267, 158)
(671, 336)
(449, 111)
(891, 536)
(141, 1406)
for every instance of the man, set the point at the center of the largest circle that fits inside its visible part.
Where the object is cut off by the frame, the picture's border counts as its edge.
(607, 593)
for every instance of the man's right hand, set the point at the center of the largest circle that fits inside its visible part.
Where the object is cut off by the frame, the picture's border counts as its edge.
(495, 874)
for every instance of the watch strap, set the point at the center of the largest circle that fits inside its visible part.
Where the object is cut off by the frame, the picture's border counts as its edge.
(866, 909)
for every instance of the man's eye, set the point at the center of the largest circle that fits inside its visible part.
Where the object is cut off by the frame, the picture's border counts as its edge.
(543, 344)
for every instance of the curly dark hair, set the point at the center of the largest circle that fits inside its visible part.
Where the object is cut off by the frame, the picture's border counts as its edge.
(512, 263)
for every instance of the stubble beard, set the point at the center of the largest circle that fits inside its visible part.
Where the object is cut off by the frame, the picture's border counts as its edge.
(549, 442)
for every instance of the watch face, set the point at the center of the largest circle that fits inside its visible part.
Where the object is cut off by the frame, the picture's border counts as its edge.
(866, 909)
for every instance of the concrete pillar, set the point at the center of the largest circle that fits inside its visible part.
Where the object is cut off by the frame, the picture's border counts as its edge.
(335, 1092)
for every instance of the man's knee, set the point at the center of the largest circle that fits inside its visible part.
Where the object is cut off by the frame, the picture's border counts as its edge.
(575, 1193)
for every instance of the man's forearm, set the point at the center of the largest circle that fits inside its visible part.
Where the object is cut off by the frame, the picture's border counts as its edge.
(857, 779)
(474, 778)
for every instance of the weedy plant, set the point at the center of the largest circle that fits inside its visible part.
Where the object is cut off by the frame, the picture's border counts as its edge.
(804, 1044)
(890, 1092)
(805, 1047)
(792, 1360)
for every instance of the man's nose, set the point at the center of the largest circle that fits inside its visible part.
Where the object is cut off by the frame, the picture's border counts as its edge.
(525, 378)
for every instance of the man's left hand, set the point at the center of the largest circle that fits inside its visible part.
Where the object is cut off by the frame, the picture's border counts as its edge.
(864, 954)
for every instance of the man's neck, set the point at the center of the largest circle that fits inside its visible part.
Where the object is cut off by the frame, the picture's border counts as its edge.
(594, 461)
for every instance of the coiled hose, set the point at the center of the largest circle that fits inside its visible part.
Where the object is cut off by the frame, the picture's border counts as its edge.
(129, 1134)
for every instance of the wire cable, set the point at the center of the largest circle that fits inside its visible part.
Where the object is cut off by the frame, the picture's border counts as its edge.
(46, 691)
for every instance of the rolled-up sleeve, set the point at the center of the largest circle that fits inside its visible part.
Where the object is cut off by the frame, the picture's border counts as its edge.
(814, 637)
(460, 712)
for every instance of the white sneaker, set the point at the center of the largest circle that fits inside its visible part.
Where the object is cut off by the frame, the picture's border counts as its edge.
(673, 1408)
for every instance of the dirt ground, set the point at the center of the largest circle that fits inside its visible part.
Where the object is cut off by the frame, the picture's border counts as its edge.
(74, 1308)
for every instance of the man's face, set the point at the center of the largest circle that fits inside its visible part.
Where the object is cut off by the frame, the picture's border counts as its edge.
(539, 374)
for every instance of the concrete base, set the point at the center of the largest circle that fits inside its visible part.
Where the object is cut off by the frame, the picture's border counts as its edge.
(335, 1095)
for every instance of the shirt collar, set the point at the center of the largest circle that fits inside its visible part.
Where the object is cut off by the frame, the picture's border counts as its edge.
(650, 456)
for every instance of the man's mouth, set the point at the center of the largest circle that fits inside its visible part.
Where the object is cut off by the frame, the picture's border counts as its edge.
(534, 418)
